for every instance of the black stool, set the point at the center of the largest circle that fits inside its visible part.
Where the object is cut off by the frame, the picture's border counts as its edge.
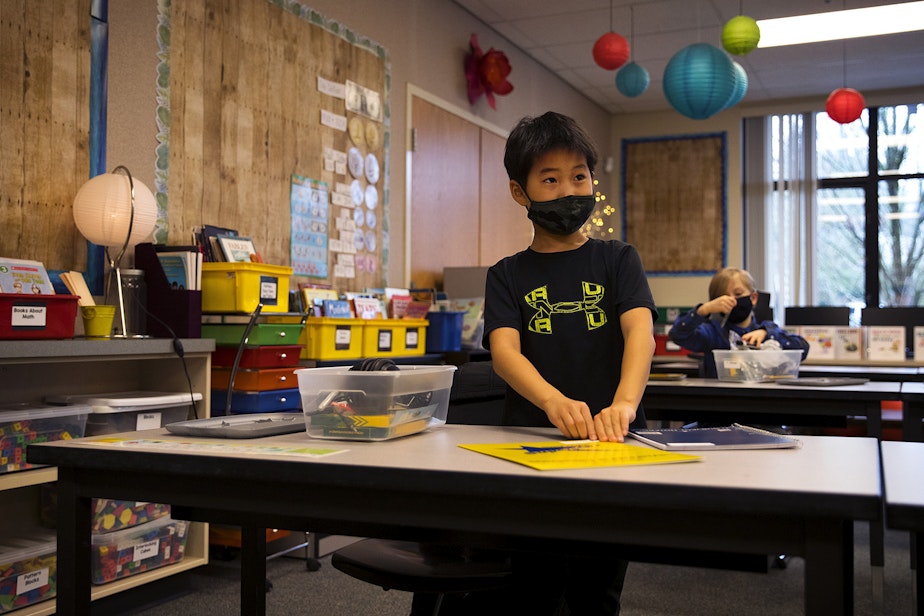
(426, 568)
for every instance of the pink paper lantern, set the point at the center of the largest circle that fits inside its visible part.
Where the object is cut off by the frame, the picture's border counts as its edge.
(611, 51)
(845, 105)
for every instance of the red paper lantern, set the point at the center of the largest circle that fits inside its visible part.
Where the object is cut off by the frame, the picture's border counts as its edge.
(611, 51)
(845, 105)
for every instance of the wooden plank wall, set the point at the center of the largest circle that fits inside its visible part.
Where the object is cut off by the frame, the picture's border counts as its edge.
(44, 123)
(245, 116)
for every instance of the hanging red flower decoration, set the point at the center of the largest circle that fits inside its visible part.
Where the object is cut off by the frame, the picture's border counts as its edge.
(486, 73)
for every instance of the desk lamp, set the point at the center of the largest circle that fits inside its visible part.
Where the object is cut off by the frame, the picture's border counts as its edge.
(116, 211)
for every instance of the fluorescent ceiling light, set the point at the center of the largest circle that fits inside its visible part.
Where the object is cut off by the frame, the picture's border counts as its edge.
(836, 25)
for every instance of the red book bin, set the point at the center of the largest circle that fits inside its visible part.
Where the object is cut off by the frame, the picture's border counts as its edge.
(34, 317)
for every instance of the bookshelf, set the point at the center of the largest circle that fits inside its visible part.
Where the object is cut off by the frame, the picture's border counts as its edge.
(30, 370)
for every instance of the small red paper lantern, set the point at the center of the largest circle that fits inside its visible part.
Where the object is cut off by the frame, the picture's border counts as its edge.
(611, 51)
(845, 105)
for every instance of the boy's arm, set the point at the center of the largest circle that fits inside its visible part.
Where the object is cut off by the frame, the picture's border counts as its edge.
(612, 423)
(571, 417)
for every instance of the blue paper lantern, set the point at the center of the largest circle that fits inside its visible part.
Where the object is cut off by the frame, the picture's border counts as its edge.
(632, 79)
(741, 86)
(699, 80)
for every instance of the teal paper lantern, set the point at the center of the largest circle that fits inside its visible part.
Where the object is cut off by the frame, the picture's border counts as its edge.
(699, 80)
(740, 35)
(632, 79)
(741, 86)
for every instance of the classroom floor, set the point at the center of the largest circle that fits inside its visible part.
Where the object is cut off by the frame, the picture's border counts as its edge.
(651, 590)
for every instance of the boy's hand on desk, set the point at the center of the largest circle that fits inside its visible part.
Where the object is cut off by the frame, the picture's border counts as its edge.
(612, 423)
(571, 417)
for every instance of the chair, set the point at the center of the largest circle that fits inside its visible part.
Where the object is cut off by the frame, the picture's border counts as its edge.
(818, 315)
(433, 570)
(424, 568)
(762, 309)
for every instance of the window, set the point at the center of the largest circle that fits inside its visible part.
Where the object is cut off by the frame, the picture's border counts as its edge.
(840, 226)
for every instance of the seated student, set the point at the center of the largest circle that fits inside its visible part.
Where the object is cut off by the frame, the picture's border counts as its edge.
(729, 313)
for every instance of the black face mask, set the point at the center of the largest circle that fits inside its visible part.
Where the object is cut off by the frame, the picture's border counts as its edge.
(741, 311)
(562, 216)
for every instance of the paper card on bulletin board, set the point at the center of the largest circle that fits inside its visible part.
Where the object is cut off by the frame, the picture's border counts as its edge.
(674, 203)
(309, 199)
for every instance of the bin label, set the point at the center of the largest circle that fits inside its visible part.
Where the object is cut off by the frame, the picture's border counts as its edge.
(28, 316)
(384, 340)
(269, 290)
(148, 549)
(31, 580)
(342, 338)
(411, 338)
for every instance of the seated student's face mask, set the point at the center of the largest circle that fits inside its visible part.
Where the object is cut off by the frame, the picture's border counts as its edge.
(561, 216)
(741, 311)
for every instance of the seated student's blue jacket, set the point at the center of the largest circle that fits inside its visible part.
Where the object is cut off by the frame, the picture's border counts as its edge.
(699, 334)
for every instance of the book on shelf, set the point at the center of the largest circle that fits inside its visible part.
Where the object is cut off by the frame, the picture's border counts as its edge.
(885, 342)
(338, 308)
(367, 307)
(24, 276)
(735, 436)
(237, 249)
(205, 237)
(182, 268)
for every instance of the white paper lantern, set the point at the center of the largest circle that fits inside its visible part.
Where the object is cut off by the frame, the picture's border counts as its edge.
(103, 210)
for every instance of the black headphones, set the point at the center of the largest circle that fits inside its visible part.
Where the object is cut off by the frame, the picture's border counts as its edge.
(375, 363)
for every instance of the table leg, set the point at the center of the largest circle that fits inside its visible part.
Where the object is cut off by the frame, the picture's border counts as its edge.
(916, 538)
(912, 418)
(73, 569)
(253, 571)
(829, 567)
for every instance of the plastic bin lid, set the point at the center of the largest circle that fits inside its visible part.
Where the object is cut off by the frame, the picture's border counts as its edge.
(133, 532)
(37, 545)
(127, 401)
(18, 412)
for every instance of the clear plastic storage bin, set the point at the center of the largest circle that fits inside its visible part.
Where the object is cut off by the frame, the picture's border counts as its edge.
(28, 571)
(340, 403)
(754, 366)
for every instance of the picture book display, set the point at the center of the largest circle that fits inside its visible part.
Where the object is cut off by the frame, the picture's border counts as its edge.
(735, 436)
(24, 276)
(559, 455)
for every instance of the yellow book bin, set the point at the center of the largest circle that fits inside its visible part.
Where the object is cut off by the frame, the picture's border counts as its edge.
(239, 287)
(394, 337)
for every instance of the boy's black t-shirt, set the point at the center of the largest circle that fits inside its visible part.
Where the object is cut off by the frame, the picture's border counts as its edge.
(566, 306)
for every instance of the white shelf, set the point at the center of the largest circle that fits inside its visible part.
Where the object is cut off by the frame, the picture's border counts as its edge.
(34, 369)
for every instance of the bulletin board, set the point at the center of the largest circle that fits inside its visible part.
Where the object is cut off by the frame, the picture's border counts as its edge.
(674, 203)
(274, 121)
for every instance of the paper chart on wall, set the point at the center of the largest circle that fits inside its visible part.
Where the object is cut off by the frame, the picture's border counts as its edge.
(310, 203)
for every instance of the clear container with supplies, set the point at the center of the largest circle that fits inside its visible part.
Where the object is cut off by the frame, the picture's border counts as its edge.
(23, 424)
(754, 366)
(128, 411)
(28, 571)
(374, 405)
(137, 549)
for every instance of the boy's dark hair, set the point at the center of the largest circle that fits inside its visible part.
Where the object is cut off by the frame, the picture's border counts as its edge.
(533, 137)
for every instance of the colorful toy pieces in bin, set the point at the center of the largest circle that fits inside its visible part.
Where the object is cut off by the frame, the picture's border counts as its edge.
(135, 550)
(28, 572)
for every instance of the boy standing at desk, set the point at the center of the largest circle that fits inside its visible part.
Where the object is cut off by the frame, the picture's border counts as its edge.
(568, 322)
(729, 313)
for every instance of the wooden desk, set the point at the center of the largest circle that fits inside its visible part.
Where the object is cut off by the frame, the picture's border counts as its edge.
(794, 501)
(913, 412)
(695, 399)
(904, 499)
